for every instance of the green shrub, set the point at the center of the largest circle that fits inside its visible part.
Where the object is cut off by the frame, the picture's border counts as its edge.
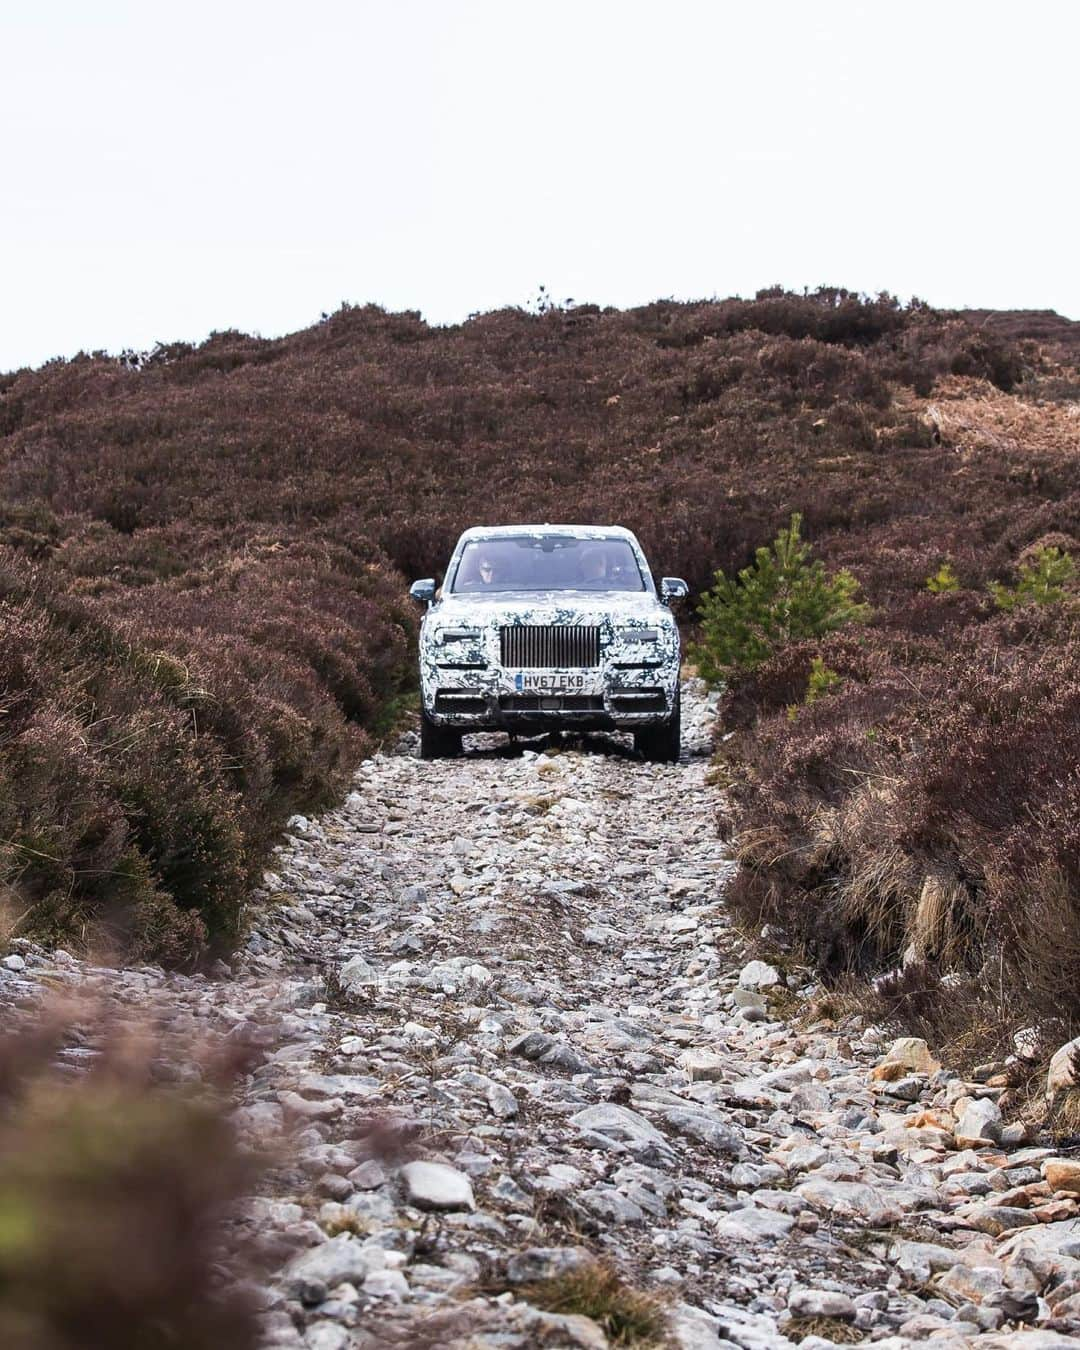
(1041, 581)
(821, 680)
(783, 597)
(943, 580)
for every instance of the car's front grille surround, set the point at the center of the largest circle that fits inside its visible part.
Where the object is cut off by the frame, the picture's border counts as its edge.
(550, 645)
(459, 701)
(568, 703)
(638, 700)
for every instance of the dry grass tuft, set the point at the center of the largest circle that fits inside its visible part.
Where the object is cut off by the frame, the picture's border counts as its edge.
(828, 1328)
(629, 1317)
(1060, 1119)
(356, 1224)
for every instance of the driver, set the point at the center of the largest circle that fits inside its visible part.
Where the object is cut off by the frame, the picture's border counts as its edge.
(478, 569)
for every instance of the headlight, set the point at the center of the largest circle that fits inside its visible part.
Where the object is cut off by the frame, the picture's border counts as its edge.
(638, 634)
(459, 635)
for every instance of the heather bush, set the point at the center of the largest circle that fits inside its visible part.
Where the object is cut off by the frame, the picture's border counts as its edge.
(115, 1192)
(118, 827)
(783, 597)
(155, 734)
(927, 815)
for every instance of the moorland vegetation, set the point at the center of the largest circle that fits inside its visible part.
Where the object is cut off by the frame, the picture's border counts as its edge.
(203, 553)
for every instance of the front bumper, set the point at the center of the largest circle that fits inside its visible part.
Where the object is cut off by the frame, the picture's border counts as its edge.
(597, 699)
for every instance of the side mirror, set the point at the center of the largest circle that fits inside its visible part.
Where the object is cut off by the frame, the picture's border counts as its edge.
(424, 591)
(673, 588)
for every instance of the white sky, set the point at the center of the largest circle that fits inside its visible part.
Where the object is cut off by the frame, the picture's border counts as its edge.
(172, 169)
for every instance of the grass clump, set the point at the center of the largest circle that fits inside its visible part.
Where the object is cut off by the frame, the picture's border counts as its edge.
(628, 1317)
(783, 597)
(833, 1329)
(357, 1225)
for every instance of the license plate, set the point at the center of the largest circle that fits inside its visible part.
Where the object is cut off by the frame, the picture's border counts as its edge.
(536, 682)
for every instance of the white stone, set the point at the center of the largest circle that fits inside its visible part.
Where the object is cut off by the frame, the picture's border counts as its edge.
(908, 1054)
(692, 1329)
(1061, 1074)
(758, 975)
(546, 1263)
(432, 1185)
(342, 1259)
(388, 1284)
(851, 1200)
(326, 1335)
(501, 1101)
(767, 1225)
(703, 1066)
(357, 976)
(618, 1122)
(978, 1123)
(821, 1303)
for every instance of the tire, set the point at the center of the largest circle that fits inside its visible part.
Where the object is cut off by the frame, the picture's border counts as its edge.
(437, 742)
(661, 744)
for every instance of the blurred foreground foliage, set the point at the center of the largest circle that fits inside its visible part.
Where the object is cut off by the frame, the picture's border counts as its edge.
(114, 1191)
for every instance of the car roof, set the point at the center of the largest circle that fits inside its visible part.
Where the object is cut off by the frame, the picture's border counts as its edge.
(576, 531)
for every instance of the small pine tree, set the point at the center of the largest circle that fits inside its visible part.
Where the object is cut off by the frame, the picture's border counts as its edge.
(783, 597)
(821, 681)
(1041, 582)
(943, 580)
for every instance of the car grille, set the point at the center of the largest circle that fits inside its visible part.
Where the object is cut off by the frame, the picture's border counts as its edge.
(550, 645)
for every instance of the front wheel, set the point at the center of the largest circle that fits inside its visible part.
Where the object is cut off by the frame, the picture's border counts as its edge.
(437, 742)
(661, 744)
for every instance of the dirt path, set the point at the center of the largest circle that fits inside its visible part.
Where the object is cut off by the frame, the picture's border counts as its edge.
(508, 1020)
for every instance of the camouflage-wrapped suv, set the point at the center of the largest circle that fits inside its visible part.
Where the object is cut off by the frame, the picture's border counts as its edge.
(545, 627)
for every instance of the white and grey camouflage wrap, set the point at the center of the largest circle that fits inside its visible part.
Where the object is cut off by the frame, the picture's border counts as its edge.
(465, 685)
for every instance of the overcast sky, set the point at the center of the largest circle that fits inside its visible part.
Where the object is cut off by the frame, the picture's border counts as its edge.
(172, 169)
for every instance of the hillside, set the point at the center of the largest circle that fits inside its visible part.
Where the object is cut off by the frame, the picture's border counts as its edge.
(203, 556)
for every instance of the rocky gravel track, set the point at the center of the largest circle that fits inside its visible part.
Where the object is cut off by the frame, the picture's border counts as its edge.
(508, 1026)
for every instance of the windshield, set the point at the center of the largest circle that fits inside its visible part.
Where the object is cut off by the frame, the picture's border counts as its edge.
(546, 562)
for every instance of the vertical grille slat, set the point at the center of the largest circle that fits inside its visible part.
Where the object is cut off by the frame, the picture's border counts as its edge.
(547, 646)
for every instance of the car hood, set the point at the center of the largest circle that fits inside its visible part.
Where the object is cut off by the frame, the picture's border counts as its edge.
(542, 607)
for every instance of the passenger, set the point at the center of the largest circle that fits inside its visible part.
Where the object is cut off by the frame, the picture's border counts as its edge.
(593, 566)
